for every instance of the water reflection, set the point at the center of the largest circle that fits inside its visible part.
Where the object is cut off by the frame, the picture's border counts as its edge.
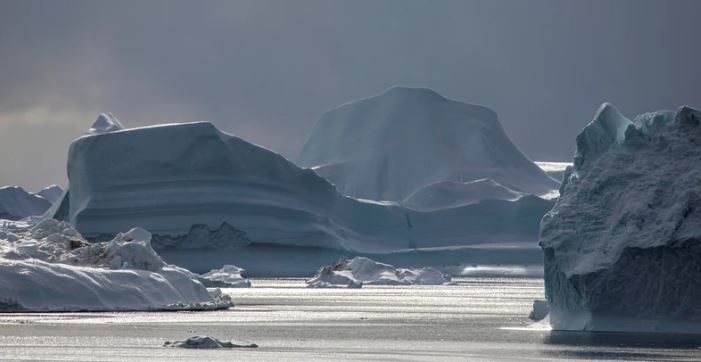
(622, 346)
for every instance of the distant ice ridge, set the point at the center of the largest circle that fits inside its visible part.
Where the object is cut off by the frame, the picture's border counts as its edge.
(16, 203)
(50, 267)
(413, 140)
(356, 272)
(199, 189)
(51, 193)
(623, 243)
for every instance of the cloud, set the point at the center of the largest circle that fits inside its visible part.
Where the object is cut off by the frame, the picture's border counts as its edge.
(266, 70)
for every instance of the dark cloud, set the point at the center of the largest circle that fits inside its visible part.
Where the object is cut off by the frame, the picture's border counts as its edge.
(265, 70)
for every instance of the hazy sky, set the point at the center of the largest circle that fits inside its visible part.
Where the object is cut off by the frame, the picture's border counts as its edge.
(266, 70)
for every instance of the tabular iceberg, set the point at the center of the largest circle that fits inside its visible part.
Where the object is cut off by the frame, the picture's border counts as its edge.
(623, 243)
(389, 146)
(199, 189)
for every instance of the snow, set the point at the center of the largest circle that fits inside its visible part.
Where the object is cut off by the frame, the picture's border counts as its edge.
(228, 276)
(207, 342)
(105, 123)
(50, 267)
(51, 193)
(622, 243)
(199, 189)
(16, 203)
(364, 271)
(389, 146)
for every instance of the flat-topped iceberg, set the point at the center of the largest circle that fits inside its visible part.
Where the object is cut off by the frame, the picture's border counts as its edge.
(50, 267)
(211, 198)
(358, 271)
(623, 243)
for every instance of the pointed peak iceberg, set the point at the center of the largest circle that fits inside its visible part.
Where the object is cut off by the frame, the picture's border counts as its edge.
(105, 123)
(607, 128)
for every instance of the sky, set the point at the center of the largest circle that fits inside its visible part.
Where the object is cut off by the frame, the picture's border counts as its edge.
(266, 70)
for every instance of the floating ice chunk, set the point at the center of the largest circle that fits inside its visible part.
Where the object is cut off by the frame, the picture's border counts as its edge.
(229, 276)
(50, 267)
(540, 310)
(207, 342)
(361, 271)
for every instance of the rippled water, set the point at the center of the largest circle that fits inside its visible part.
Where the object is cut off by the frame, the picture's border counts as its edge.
(478, 319)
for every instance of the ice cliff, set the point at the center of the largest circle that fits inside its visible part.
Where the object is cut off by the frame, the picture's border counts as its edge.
(623, 243)
(389, 146)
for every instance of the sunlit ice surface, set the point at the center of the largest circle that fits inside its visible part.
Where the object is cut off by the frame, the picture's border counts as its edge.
(476, 319)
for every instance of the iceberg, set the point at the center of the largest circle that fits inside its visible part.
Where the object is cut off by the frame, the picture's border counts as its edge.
(392, 145)
(211, 199)
(360, 271)
(622, 242)
(207, 342)
(228, 276)
(51, 193)
(50, 267)
(16, 203)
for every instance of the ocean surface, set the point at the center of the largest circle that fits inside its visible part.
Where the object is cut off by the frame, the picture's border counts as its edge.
(478, 319)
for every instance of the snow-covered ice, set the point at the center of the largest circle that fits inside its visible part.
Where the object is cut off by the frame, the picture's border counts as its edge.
(207, 342)
(50, 267)
(16, 203)
(391, 145)
(358, 271)
(199, 189)
(622, 243)
(228, 276)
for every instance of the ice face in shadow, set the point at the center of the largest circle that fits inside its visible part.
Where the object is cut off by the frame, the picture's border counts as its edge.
(16, 203)
(51, 193)
(197, 188)
(389, 146)
(622, 244)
